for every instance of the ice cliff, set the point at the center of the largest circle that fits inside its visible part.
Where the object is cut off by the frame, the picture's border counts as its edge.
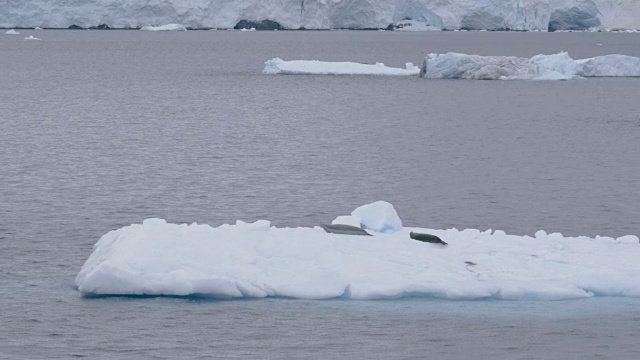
(327, 14)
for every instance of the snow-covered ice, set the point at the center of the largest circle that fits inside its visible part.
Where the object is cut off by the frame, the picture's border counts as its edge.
(168, 27)
(314, 67)
(540, 67)
(257, 260)
(327, 14)
(12, 32)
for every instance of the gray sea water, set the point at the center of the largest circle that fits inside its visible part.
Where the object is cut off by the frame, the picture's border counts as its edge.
(101, 129)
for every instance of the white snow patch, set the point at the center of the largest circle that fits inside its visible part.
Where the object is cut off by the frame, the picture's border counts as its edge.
(12, 32)
(168, 27)
(314, 67)
(257, 260)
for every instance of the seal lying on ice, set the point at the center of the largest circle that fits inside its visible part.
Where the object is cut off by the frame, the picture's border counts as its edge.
(427, 238)
(344, 229)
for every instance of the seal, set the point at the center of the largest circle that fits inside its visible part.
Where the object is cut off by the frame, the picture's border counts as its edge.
(427, 238)
(344, 229)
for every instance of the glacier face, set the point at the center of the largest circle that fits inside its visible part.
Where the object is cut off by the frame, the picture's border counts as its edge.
(326, 14)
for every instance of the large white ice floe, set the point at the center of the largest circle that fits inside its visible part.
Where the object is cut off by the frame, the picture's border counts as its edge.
(540, 67)
(168, 27)
(314, 67)
(327, 14)
(257, 260)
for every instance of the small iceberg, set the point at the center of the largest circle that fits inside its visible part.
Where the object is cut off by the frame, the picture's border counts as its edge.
(252, 29)
(31, 37)
(610, 66)
(37, 28)
(168, 27)
(314, 67)
(12, 32)
(476, 67)
(540, 67)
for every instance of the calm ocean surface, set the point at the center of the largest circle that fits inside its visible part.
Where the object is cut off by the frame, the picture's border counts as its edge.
(101, 129)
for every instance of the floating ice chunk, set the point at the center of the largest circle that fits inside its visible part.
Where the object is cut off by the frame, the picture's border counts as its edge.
(31, 37)
(476, 67)
(610, 65)
(379, 216)
(12, 32)
(314, 67)
(168, 27)
(233, 261)
(252, 29)
(37, 28)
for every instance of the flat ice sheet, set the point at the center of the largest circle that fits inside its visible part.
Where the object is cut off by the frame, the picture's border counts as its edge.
(256, 260)
(314, 67)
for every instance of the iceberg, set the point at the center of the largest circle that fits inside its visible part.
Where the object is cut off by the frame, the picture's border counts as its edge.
(462, 66)
(168, 27)
(610, 66)
(379, 216)
(314, 67)
(541, 15)
(257, 260)
(540, 67)
(31, 37)
(12, 32)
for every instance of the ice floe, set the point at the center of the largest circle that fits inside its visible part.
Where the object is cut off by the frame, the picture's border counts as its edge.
(257, 260)
(314, 67)
(31, 37)
(12, 32)
(168, 27)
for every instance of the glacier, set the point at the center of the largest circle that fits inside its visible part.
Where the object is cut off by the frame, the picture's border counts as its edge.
(540, 15)
(257, 260)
